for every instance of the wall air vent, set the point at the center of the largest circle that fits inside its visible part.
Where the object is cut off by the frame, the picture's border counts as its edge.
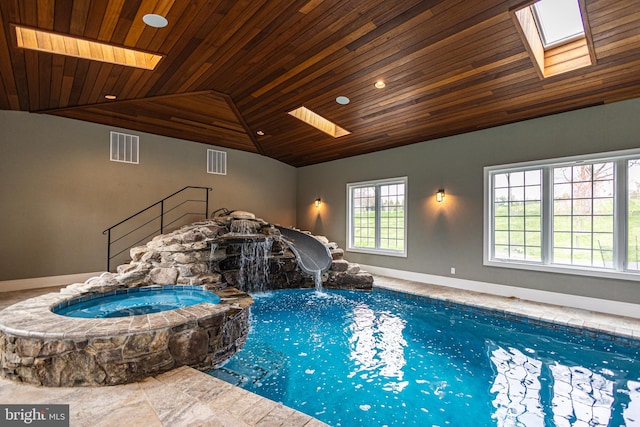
(217, 162)
(124, 147)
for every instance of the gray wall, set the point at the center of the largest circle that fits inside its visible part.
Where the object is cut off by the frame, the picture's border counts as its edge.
(59, 190)
(450, 234)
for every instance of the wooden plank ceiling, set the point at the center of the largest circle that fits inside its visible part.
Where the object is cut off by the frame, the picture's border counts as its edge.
(232, 68)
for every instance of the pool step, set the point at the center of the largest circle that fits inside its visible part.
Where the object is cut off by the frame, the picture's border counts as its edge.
(240, 371)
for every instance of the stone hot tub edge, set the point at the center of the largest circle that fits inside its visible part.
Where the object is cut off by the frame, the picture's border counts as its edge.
(40, 347)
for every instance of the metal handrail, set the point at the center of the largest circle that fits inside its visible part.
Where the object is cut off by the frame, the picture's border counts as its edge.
(161, 217)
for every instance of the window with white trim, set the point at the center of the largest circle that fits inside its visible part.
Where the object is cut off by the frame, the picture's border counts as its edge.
(578, 215)
(517, 215)
(633, 215)
(583, 214)
(377, 217)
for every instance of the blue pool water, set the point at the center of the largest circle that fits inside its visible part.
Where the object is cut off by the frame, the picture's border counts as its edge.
(371, 359)
(136, 301)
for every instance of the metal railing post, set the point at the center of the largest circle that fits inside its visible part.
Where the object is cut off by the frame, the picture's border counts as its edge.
(109, 250)
(161, 216)
(206, 211)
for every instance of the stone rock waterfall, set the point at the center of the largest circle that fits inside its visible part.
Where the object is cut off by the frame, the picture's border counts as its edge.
(236, 250)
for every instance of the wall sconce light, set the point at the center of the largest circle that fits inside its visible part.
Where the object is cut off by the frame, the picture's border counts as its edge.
(318, 202)
(440, 195)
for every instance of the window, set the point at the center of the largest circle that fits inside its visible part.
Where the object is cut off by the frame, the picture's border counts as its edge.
(583, 213)
(377, 217)
(633, 215)
(578, 215)
(518, 215)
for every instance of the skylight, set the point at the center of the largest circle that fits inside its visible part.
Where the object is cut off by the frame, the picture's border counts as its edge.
(558, 21)
(61, 44)
(556, 35)
(318, 122)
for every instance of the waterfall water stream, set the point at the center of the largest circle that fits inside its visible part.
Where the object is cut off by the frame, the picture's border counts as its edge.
(212, 256)
(317, 277)
(254, 265)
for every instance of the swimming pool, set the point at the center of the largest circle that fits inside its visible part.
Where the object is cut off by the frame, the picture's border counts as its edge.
(372, 359)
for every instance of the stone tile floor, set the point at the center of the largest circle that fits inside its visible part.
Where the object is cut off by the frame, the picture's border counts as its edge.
(181, 397)
(187, 397)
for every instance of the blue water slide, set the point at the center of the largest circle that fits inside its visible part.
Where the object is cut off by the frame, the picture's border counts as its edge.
(312, 254)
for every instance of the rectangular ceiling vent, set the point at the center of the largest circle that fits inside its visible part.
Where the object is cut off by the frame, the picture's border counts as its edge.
(124, 147)
(217, 162)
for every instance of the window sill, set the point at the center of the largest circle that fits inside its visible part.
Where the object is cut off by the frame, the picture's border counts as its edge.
(378, 252)
(566, 269)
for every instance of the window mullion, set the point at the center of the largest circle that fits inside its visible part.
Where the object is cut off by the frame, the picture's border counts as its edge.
(378, 222)
(620, 235)
(592, 218)
(547, 216)
(491, 212)
(350, 216)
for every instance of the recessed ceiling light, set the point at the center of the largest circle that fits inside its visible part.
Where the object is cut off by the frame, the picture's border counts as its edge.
(342, 100)
(156, 21)
(261, 133)
(110, 97)
(379, 84)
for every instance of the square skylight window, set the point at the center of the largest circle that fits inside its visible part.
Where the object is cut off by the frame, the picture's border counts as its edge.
(558, 21)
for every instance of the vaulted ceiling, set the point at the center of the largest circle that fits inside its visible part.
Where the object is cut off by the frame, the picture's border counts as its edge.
(231, 68)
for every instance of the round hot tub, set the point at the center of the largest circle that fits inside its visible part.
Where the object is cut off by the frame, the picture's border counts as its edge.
(135, 301)
(121, 335)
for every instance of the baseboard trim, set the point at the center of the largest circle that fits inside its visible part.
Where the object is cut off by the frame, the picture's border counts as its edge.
(45, 282)
(617, 308)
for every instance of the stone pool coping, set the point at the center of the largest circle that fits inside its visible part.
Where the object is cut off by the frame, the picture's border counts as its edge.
(141, 291)
(34, 317)
(619, 329)
(38, 346)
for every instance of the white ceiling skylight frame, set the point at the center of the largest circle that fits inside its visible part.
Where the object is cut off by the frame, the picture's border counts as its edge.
(558, 21)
